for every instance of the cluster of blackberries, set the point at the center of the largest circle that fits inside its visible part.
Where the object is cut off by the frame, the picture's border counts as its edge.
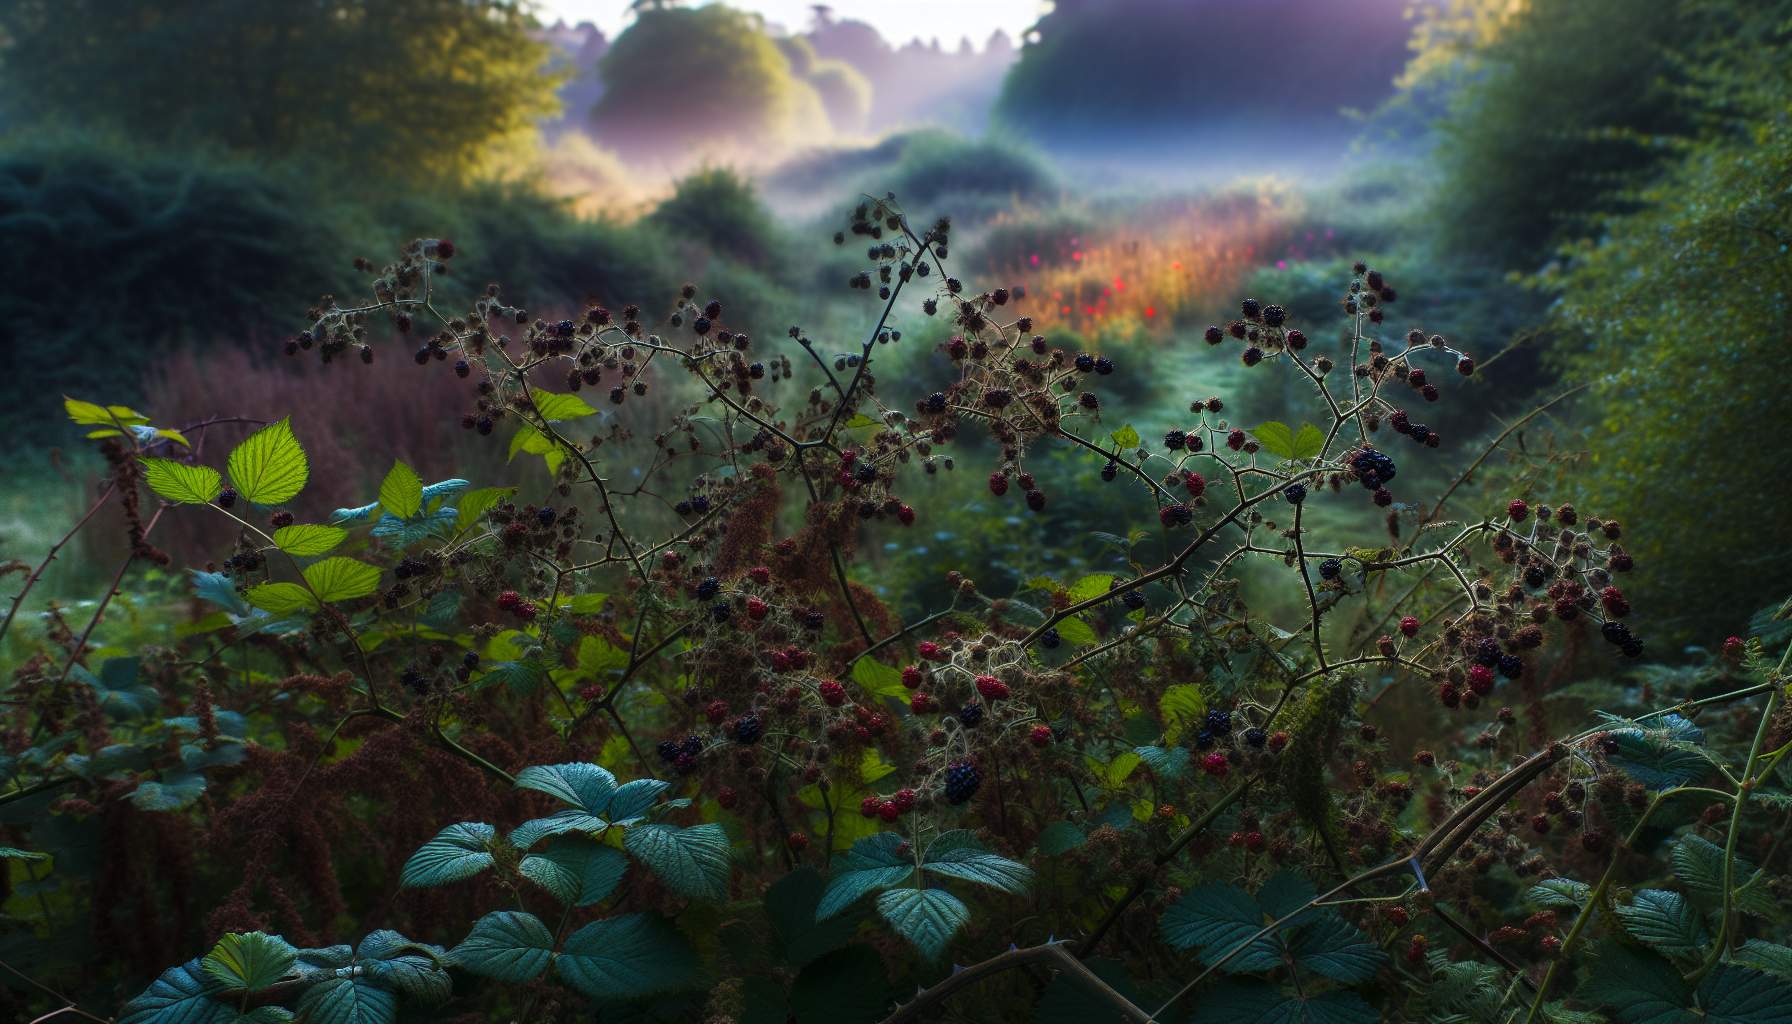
(1216, 726)
(1373, 468)
(962, 780)
(1176, 514)
(695, 506)
(1419, 432)
(1620, 636)
(681, 754)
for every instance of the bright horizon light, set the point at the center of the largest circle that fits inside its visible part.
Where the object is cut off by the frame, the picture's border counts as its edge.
(897, 20)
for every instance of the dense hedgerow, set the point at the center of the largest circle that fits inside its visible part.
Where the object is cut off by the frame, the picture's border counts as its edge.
(645, 743)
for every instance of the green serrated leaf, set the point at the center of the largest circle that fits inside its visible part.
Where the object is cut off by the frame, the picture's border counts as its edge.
(1093, 585)
(182, 995)
(1276, 439)
(89, 414)
(928, 918)
(401, 493)
(1183, 707)
(871, 864)
(1765, 956)
(587, 787)
(879, 679)
(347, 1001)
(249, 961)
(693, 862)
(457, 852)
(553, 406)
(179, 482)
(475, 503)
(1699, 864)
(1337, 949)
(576, 870)
(1731, 994)
(281, 598)
(1308, 442)
(1663, 921)
(341, 579)
(308, 540)
(1562, 893)
(1076, 632)
(508, 945)
(1641, 987)
(627, 957)
(269, 467)
(957, 854)
(1126, 438)
(1214, 919)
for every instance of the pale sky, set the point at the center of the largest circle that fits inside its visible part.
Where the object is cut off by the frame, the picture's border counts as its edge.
(898, 20)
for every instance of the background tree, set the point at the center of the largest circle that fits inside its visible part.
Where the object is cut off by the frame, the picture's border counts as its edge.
(732, 88)
(436, 90)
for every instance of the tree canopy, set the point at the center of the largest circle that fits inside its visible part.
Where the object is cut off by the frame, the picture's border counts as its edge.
(435, 89)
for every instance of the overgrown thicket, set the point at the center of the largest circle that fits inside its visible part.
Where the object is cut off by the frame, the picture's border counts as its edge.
(647, 742)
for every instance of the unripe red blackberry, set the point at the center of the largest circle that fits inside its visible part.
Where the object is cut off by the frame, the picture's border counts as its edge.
(998, 484)
(1409, 626)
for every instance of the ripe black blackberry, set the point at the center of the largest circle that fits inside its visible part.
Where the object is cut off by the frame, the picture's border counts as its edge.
(709, 588)
(747, 729)
(1133, 600)
(1296, 493)
(1255, 738)
(1330, 569)
(1219, 721)
(971, 714)
(1175, 439)
(962, 780)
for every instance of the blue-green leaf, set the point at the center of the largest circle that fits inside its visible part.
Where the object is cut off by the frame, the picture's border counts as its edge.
(508, 945)
(1739, 995)
(1561, 893)
(175, 791)
(1216, 919)
(626, 957)
(561, 822)
(347, 1001)
(577, 871)
(457, 852)
(1059, 837)
(411, 968)
(871, 864)
(693, 862)
(926, 917)
(182, 995)
(1643, 988)
(957, 854)
(584, 786)
(1334, 947)
(631, 802)
(1663, 921)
